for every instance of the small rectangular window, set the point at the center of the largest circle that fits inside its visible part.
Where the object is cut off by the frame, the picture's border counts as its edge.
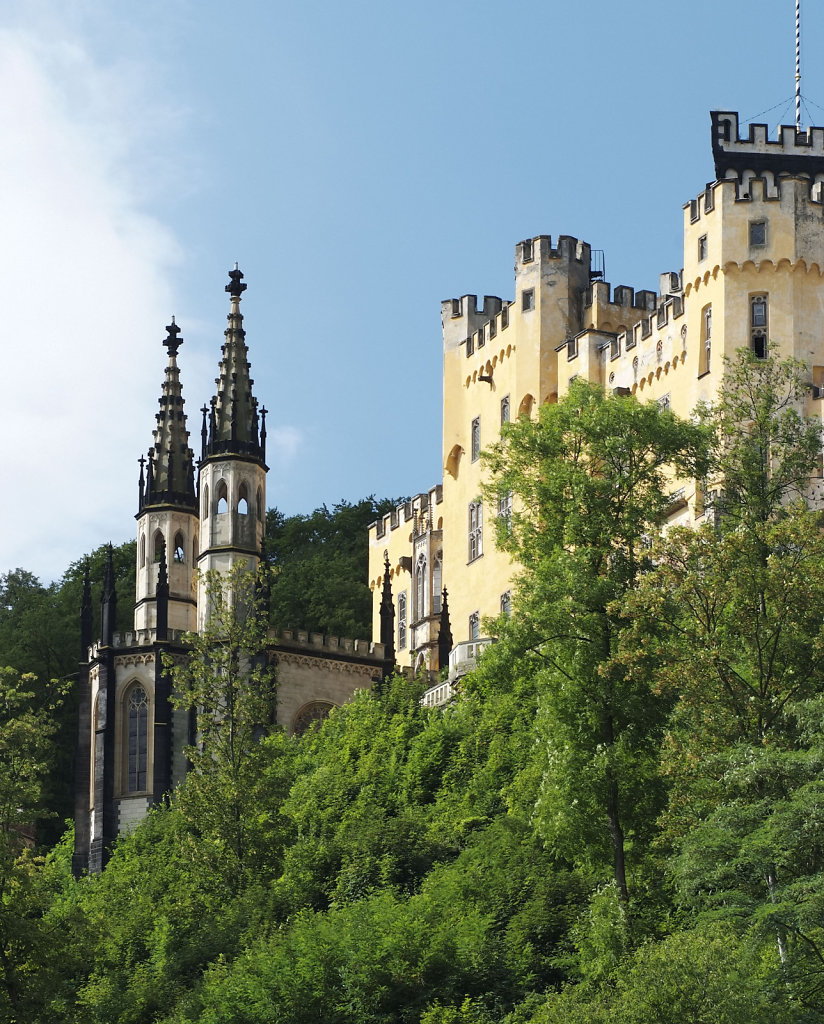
(505, 317)
(572, 348)
(528, 299)
(481, 339)
(470, 345)
(506, 603)
(664, 401)
(505, 409)
(493, 328)
(526, 251)
(758, 232)
(476, 439)
(505, 505)
(702, 248)
(705, 353)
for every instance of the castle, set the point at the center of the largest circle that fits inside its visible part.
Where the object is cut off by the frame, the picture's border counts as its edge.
(752, 274)
(131, 741)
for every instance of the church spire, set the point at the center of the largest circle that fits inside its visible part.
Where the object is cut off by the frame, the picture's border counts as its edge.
(170, 478)
(234, 421)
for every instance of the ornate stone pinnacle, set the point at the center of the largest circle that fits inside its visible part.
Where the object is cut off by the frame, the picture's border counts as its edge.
(235, 287)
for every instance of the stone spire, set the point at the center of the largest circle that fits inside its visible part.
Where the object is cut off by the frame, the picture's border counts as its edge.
(444, 633)
(170, 476)
(234, 425)
(387, 617)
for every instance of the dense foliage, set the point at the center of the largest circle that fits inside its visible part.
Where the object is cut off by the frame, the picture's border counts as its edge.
(620, 820)
(319, 567)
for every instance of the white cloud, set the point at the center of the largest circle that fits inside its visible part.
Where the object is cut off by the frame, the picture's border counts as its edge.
(283, 443)
(84, 282)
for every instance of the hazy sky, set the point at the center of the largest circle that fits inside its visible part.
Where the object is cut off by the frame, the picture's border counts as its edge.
(361, 161)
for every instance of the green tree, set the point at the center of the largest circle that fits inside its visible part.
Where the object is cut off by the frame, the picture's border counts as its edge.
(228, 683)
(732, 617)
(26, 745)
(320, 567)
(589, 480)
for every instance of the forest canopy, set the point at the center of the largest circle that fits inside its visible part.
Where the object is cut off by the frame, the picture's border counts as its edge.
(619, 819)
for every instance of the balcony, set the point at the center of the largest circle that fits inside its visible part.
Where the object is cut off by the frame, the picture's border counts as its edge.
(438, 695)
(463, 656)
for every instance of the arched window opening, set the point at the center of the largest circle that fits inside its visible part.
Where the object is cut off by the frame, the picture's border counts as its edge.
(142, 550)
(309, 715)
(222, 498)
(206, 501)
(158, 546)
(525, 408)
(243, 500)
(420, 588)
(179, 556)
(437, 584)
(138, 740)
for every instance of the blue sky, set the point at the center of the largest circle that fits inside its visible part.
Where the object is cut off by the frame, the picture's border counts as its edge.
(362, 162)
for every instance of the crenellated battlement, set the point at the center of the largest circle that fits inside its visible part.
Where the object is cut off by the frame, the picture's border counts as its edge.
(422, 502)
(131, 638)
(623, 297)
(793, 152)
(320, 643)
(540, 249)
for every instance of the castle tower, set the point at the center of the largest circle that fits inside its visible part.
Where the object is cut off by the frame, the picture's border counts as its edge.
(167, 508)
(232, 468)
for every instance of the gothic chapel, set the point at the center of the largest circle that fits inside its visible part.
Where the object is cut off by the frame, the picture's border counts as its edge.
(131, 742)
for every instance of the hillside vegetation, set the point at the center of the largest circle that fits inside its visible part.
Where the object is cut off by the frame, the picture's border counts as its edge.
(621, 819)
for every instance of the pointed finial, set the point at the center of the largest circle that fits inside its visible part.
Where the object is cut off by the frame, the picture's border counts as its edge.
(235, 287)
(172, 341)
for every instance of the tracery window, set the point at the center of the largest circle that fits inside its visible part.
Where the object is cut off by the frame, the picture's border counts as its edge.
(179, 556)
(420, 588)
(437, 584)
(505, 409)
(475, 626)
(309, 714)
(506, 603)
(138, 740)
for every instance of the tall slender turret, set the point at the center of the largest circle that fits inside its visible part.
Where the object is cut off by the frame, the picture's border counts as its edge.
(167, 507)
(232, 469)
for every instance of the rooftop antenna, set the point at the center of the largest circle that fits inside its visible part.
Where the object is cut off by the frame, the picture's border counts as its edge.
(798, 65)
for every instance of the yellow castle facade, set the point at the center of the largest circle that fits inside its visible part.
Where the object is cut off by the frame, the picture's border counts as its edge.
(752, 275)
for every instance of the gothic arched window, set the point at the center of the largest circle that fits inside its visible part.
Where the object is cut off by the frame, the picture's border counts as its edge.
(222, 498)
(316, 711)
(437, 583)
(206, 501)
(243, 500)
(158, 546)
(179, 555)
(420, 588)
(137, 750)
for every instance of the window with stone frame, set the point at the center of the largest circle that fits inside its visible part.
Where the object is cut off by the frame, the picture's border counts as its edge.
(437, 583)
(505, 409)
(758, 325)
(420, 610)
(475, 626)
(506, 603)
(475, 443)
(476, 530)
(402, 621)
(137, 745)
